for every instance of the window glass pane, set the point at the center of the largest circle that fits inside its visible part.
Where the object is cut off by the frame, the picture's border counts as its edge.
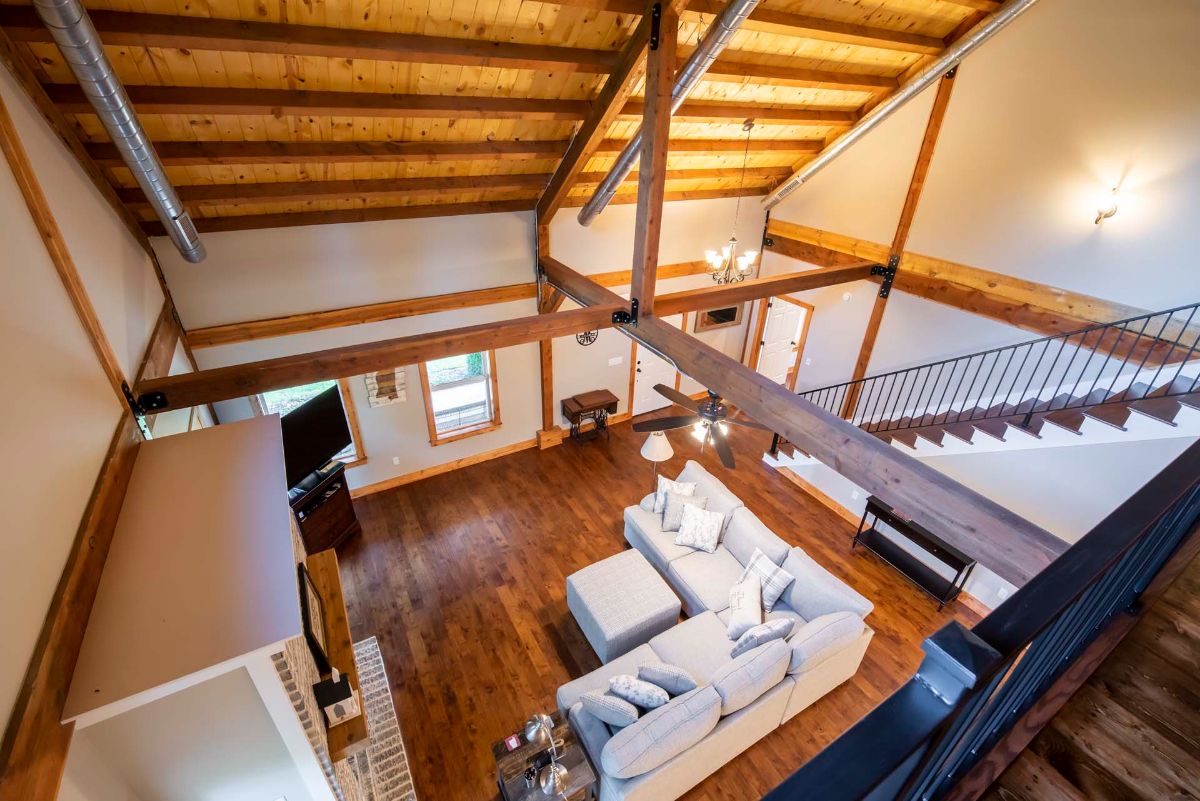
(460, 391)
(282, 401)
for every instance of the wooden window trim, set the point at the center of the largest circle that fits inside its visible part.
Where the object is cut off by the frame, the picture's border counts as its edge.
(259, 406)
(454, 435)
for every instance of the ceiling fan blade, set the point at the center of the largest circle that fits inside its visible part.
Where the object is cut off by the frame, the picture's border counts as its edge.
(746, 423)
(666, 423)
(676, 397)
(721, 445)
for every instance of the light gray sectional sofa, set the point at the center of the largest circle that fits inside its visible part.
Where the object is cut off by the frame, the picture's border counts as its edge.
(671, 749)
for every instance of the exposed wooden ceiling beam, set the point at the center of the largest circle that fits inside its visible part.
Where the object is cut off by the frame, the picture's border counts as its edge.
(728, 67)
(300, 102)
(244, 36)
(786, 23)
(714, 296)
(192, 389)
(812, 254)
(304, 191)
(233, 333)
(603, 112)
(1007, 544)
(622, 198)
(199, 154)
(290, 219)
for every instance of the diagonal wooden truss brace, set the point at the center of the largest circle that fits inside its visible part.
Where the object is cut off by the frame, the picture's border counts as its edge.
(1006, 543)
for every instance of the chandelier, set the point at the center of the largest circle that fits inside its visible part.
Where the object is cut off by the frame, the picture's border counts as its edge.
(726, 265)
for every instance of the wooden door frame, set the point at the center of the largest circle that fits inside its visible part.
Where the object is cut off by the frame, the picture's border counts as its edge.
(760, 327)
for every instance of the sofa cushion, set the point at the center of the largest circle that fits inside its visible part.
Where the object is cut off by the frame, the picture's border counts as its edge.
(698, 645)
(570, 693)
(675, 680)
(774, 578)
(638, 692)
(666, 485)
(746, 532)
(781, 610)
(647, 504)
(745, 607)
(673, 512)
(777, 629)
(821, 638)
(609, 708)
(704, 579)
(817, 592)
(661, 734)
(593, 732)
(643, 530)
(719, 498)
(741, 681)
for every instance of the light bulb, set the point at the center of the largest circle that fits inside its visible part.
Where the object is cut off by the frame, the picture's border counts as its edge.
(725, 251)
(700, 431)
(711, 255)
(1107, 206)
(751, 255)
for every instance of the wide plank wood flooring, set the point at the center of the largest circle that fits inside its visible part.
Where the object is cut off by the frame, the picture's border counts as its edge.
(462, 578)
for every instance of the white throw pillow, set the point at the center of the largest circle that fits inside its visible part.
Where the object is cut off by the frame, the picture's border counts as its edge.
(675, 680)
(777, 629)
(773, 577)
(673, 512)
(638, 692)
(699, 529)
(609, 708)
(666, 485)
(745, 606)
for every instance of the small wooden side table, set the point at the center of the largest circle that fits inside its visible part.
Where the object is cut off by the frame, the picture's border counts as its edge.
(515, 754)
(596, 406)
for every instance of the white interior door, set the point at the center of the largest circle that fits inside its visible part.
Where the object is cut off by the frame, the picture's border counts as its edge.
(781, 337)
(651, 369)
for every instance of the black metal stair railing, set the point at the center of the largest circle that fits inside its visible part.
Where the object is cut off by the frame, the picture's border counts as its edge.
(1143, 357)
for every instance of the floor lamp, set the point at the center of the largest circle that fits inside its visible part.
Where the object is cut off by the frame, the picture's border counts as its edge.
(657, 449)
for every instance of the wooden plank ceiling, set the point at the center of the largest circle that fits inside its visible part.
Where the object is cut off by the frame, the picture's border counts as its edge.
(285, 113)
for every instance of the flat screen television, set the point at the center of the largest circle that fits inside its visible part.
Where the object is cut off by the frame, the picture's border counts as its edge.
(313, 433)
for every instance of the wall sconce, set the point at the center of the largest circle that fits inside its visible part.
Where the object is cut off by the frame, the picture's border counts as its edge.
(1107, 206)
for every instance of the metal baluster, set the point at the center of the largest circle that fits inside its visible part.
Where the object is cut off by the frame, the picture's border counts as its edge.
(921, 392)
(955, 395)
(864, 398)
(970, 388)
(882, 391)
(1125, 361)
(999, 381)
(1166, 358)
(1017, 377)
(1142, 365)
(897, 412)
(1029, 412)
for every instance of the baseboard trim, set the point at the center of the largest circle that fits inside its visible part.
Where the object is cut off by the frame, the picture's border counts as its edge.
(437, 470)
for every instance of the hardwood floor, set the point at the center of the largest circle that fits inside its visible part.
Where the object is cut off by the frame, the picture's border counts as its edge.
(462, 578)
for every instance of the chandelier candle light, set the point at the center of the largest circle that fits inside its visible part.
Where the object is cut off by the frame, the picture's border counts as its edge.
(726, 265)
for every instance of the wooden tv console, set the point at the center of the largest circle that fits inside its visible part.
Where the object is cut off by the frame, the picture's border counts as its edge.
(325, 513)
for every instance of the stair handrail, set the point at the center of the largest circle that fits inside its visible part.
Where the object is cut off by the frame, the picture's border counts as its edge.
(974, 685)
(1167, 341)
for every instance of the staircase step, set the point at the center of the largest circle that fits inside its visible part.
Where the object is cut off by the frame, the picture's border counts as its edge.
(1113, 414)
(1031, 778)
(905, 435)
(1164, 410)
(1107, 752)
(934, 435)
(993, 427)
(1179, 385)
(963, 431)
(1068, 419)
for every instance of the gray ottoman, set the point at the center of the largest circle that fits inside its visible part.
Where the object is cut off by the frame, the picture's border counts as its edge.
(620, 603)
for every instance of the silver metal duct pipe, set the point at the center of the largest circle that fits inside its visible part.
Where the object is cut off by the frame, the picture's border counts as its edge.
(75, 36)
(715, 40)
(985, 30)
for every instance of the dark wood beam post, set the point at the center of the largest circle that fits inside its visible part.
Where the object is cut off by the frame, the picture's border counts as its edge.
(1004, 542)
(924, 156)
(549, 300)
(652, 172)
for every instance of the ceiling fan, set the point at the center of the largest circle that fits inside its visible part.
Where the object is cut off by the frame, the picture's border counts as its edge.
(711, 413)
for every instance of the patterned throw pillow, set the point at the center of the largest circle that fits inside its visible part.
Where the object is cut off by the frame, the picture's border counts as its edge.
(745, 606)
(638, 692)
(673, 512)
(666, 485)
(773, 577)
(699, 529)
(675, 680)
(776, 629)
(609, 708)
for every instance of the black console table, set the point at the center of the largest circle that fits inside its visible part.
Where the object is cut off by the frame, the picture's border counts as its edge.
(938, 587)
(324, 510)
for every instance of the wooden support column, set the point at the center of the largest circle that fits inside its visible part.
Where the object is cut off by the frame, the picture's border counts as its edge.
(652, 172)
(1004, 542)
(549, 301)
(924, 156)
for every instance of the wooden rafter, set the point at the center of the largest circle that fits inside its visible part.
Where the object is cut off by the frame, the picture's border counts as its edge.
(1009, 545)
(652, 170)
(783, 284)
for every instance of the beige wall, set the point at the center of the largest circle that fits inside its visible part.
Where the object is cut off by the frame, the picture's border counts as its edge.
(256, 274)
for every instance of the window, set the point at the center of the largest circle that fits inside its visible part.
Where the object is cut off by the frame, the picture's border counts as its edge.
(282, 401)
(460, 396)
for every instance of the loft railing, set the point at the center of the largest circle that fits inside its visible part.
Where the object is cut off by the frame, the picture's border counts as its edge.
(975, 684)
(1145, 356)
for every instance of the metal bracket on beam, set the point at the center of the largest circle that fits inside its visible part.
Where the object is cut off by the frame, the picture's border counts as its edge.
(888, 273)
(622, 317)
(138, 407)
(655, 21)
(768, 242)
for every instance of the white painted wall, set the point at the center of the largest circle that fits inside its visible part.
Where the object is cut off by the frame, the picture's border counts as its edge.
(90, 777)
(211, 741)
(58, 418)
(256, 274)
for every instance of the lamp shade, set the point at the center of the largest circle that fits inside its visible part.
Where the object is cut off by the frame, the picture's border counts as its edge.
(657, 448)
